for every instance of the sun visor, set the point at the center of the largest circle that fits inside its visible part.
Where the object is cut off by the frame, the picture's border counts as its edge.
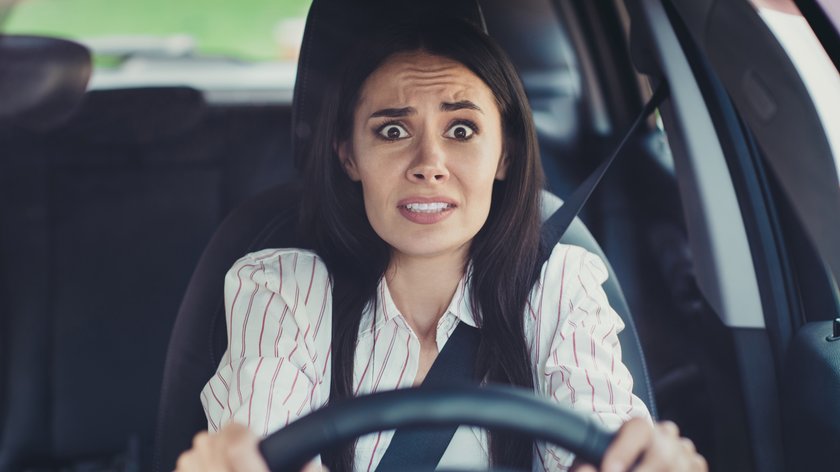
(332, 27)
(42, 80)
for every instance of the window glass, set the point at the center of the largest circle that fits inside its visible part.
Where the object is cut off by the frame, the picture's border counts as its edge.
(245, 29)
(234, 52)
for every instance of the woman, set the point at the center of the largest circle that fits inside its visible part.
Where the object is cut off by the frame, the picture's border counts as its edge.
(422, 203)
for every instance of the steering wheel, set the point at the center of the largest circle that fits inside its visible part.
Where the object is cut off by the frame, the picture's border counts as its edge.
(492, 407)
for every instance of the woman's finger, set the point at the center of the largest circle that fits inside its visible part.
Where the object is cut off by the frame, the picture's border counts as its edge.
(241, 449)
(233, 449)
(667, 451)
(630, 442)
(688, 445)
(669, 428)
(699, 464)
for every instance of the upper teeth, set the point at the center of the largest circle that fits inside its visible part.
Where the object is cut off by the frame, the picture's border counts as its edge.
(427, 207)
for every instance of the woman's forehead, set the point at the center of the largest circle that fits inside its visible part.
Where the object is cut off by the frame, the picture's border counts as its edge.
(407, 78)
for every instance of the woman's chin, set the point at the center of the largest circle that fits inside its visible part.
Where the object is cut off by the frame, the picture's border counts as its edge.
(430, 249)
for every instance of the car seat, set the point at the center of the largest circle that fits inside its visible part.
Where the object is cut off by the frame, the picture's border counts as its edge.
(268, 220)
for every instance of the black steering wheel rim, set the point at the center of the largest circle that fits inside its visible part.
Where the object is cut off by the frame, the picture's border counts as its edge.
(491, 407)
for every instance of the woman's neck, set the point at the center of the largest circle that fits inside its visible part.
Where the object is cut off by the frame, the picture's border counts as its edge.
(422, 288)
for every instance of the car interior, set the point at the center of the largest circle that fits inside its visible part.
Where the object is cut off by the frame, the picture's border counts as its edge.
(121, 210)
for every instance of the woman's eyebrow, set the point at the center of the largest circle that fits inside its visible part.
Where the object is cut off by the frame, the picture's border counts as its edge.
(444, 106)
(393, 112)
(460, 105)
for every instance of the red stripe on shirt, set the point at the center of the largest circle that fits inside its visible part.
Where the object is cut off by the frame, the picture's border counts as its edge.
(560, 297)
(367, 366)
(323, 309)
(326, 363)
(557, 459)
(248, 311)
(385, 362)
(586, 372)
(307, 399)
(407, 357)
(271, 394)
(235, 298)
(253, 385)
(536, 352)
(612, 399)
(373, 454)
(292, 388)
(280, 274)
(569, 384)
(213, 392)
(311, 279)
(262, 328)
(280, 331)
(540, 456)
(220, 377)
(239, 381)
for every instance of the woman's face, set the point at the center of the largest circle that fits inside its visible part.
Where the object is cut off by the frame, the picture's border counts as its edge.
(426, 147)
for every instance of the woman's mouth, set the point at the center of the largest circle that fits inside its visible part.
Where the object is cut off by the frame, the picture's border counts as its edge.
(436, 207)
(425, 213)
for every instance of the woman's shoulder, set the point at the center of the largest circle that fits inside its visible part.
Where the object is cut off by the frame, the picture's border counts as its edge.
(276, 267)
(567, 260)
(569, 274)
(570, 294)
(278, 255)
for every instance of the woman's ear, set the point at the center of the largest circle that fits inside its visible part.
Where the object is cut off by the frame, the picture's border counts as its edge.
(501, 169)
(345, 156)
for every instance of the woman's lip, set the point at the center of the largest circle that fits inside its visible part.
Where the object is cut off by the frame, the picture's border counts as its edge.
(425, 218)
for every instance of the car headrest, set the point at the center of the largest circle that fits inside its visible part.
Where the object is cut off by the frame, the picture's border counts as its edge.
(42, 80)
(136, 115)
(332, 27)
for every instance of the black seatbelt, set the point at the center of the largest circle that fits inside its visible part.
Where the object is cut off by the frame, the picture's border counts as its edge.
(423, 448)
(556, 225)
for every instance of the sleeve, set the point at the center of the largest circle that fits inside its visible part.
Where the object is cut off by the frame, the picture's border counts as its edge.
(583, 367)
(275, 367)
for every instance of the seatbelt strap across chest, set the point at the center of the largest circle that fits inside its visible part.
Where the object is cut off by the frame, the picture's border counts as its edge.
(455, 364)
(557, 224)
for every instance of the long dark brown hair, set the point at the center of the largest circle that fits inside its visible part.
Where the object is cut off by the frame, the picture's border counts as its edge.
(503, 254)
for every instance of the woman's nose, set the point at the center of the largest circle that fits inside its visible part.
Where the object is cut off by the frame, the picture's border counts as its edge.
(429, 164)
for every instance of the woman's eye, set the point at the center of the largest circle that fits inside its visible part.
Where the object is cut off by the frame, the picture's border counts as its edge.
(393, 132)
(460, 131)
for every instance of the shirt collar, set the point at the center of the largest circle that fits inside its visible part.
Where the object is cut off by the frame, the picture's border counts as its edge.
(460, 306)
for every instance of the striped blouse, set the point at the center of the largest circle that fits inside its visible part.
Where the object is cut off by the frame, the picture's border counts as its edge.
(277, 365)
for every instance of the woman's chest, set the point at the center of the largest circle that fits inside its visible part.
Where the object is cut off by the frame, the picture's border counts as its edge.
(393, 357)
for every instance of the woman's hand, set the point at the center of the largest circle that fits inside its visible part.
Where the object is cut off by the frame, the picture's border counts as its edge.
(232, 449)
(640, 447)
